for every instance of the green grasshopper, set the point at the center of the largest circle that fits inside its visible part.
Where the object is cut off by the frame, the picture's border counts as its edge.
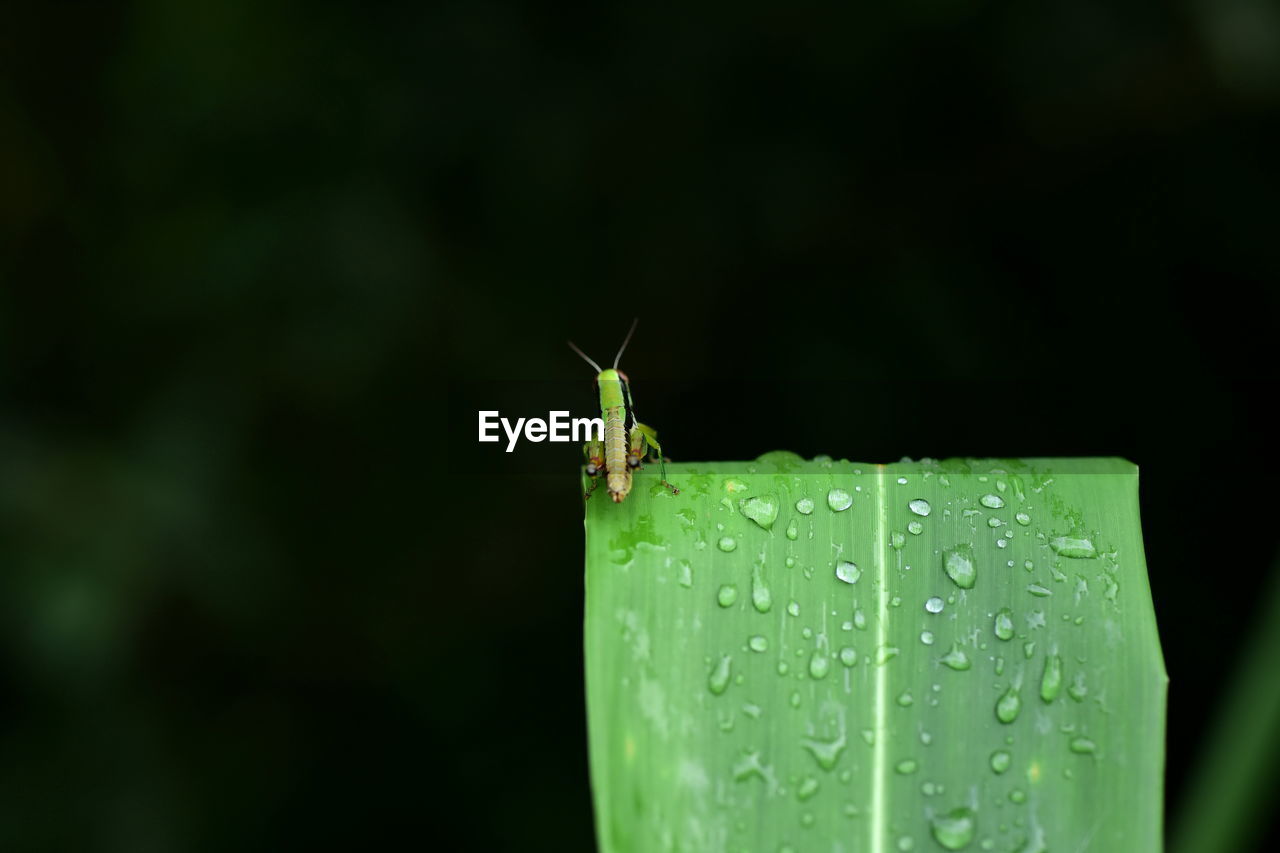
(622, 449)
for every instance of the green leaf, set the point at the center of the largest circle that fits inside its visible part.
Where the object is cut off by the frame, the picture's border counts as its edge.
(925, 655)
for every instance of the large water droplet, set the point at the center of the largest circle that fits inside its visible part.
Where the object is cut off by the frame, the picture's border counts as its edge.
(727, 543)
(955, 829)
(957, 659)
(915, 528)
(1076, 547)
(934, 605)
(907, 766)
(762, 509)
(1051, 682)
(825, 752)
(718, 681)
(758, 643)
(839, 500)
(1004, 624)
(920, 506)
(819, 665)
(1008, 706)
(727, 595)
(848, 571)
(761, 597)
(1083, 746)
(1000, 760)
(1022, 518)
(1039, 591)
(991, 501)
(958, 563)
(804, 506)
(849, 656)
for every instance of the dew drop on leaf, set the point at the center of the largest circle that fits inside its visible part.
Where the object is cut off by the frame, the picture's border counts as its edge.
(839, 500)
(955, 829)
(848, 571)
(958, 563)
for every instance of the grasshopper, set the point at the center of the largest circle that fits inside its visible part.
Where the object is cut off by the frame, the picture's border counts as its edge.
(623, 448)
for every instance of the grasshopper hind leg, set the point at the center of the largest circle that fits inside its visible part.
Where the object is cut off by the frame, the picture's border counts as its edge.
(643, 436)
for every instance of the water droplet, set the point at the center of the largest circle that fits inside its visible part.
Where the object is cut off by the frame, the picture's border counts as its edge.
(1077, 690)
(727, 543)
(1077, 548)
(1004, 624)
(839, 500)
(685, 577)
(897, 539)
(958, 562)
(1051, 681)
(819, 665)
(934, 605)
(793, 530)
(860, 620)
(991, 501)
(758, 643)
(906, 843)
(926, 637)
(1008, 706)
(807, 788)
(915, 528)
(718, 681)
(994, 522)
(1022, 518)
(957, 659)
(727, 595)
(794, 608)
(1017, 795)
(907, 766)
(761, 597)
(1083, 746)
(848, 571)
(762, 509)
(794, 699)
(825, 752)
(804, 506)
(920, 506)
(1000, 760)
(790, 562)
(884, 654)
(1039, 591)
(848, 656)
(955, 829)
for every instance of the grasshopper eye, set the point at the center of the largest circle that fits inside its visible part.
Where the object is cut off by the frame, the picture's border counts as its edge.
(592, 469)
(633, 461)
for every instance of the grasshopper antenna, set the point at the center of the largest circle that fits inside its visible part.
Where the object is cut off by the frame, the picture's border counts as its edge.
(625, 341)
(585, 357)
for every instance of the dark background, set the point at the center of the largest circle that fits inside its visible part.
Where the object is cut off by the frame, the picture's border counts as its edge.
(262, 261)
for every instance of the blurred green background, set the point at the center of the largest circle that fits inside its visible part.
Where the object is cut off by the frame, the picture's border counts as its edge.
(260, 263)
